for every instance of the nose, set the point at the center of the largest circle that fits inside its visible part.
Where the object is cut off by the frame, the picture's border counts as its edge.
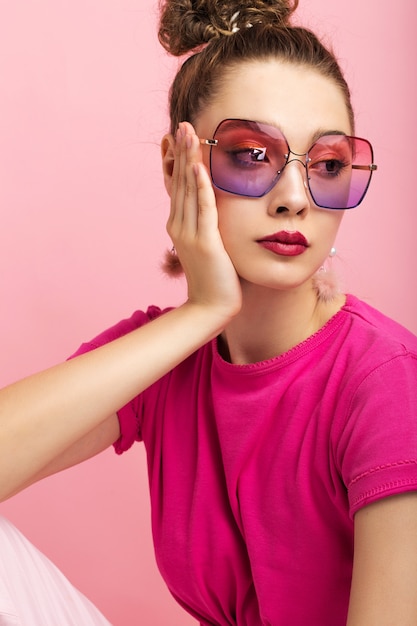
(290, 194)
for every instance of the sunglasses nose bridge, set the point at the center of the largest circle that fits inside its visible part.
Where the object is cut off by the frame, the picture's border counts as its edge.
(302, 173)
(296, 159)
(297, 155)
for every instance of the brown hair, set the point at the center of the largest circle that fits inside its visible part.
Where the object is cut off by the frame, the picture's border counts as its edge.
(221, 34)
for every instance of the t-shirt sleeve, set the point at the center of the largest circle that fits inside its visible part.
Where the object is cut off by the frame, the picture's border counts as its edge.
(377, 451)
(128, 415)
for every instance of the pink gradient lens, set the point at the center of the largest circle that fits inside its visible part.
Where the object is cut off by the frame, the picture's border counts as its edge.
(249, 158)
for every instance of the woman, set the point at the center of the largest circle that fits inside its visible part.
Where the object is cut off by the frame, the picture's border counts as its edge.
(278, 414)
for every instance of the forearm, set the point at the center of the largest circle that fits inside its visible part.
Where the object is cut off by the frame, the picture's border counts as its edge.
(45, 414)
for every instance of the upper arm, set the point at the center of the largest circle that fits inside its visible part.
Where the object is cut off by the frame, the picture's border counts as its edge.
(97, 440)
(384, 580)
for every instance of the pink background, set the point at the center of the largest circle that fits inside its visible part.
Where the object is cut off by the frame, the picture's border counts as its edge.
(82, 109)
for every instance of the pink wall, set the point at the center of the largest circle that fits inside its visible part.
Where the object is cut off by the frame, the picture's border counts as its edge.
(82, 108)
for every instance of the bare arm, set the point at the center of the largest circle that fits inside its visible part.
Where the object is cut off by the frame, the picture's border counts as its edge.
(100, 438)
(61, 416)
(384, 583)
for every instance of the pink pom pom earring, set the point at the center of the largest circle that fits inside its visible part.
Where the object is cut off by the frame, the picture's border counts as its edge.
(325, 280)
(171, 264)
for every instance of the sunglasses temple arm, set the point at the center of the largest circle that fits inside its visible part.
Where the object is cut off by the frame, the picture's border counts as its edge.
(372, 167)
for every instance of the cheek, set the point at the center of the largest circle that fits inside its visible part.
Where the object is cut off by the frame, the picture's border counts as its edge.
(331, 224)
(236, 225)
(236, 215)
(339, 221)
(228, 224)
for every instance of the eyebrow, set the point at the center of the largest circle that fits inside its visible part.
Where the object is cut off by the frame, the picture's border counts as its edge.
(324, 133)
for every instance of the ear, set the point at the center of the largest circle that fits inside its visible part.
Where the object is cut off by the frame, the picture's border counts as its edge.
(168, 158)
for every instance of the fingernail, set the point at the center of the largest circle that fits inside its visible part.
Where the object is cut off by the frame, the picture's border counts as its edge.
(188, 141)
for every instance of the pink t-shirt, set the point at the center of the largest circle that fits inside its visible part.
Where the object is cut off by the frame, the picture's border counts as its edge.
(256, 471)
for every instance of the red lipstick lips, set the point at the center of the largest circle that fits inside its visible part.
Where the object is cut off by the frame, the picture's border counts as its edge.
(285, 243)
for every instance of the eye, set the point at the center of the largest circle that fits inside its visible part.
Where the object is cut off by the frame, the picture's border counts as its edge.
(331, 156)
(328, 166)
(246, 155)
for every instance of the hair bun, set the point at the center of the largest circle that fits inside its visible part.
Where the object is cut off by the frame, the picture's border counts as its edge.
(186, 25)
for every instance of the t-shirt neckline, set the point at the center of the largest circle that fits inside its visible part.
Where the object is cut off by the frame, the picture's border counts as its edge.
(306, 346)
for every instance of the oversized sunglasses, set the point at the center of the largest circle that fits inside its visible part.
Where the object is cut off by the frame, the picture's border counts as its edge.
(247, 158)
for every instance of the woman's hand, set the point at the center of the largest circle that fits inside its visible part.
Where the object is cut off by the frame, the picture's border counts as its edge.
(193, 228)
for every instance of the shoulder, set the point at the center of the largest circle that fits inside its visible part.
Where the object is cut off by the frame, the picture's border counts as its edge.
(373, 342)
(376, 436)
(380, 356)
(376, 328)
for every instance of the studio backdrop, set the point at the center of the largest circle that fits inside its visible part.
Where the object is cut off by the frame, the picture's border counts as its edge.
(83, 106)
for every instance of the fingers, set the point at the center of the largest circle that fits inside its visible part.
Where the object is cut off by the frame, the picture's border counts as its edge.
(192, 195)
(177, 191)
(193, 226)
(191, 200)
(207, 211)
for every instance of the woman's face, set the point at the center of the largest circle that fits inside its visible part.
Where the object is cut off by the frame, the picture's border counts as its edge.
(303, 105)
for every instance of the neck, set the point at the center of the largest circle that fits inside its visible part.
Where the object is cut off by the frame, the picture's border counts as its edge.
(271, 322)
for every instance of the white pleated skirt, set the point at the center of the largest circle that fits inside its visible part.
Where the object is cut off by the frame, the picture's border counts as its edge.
(33, 592)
